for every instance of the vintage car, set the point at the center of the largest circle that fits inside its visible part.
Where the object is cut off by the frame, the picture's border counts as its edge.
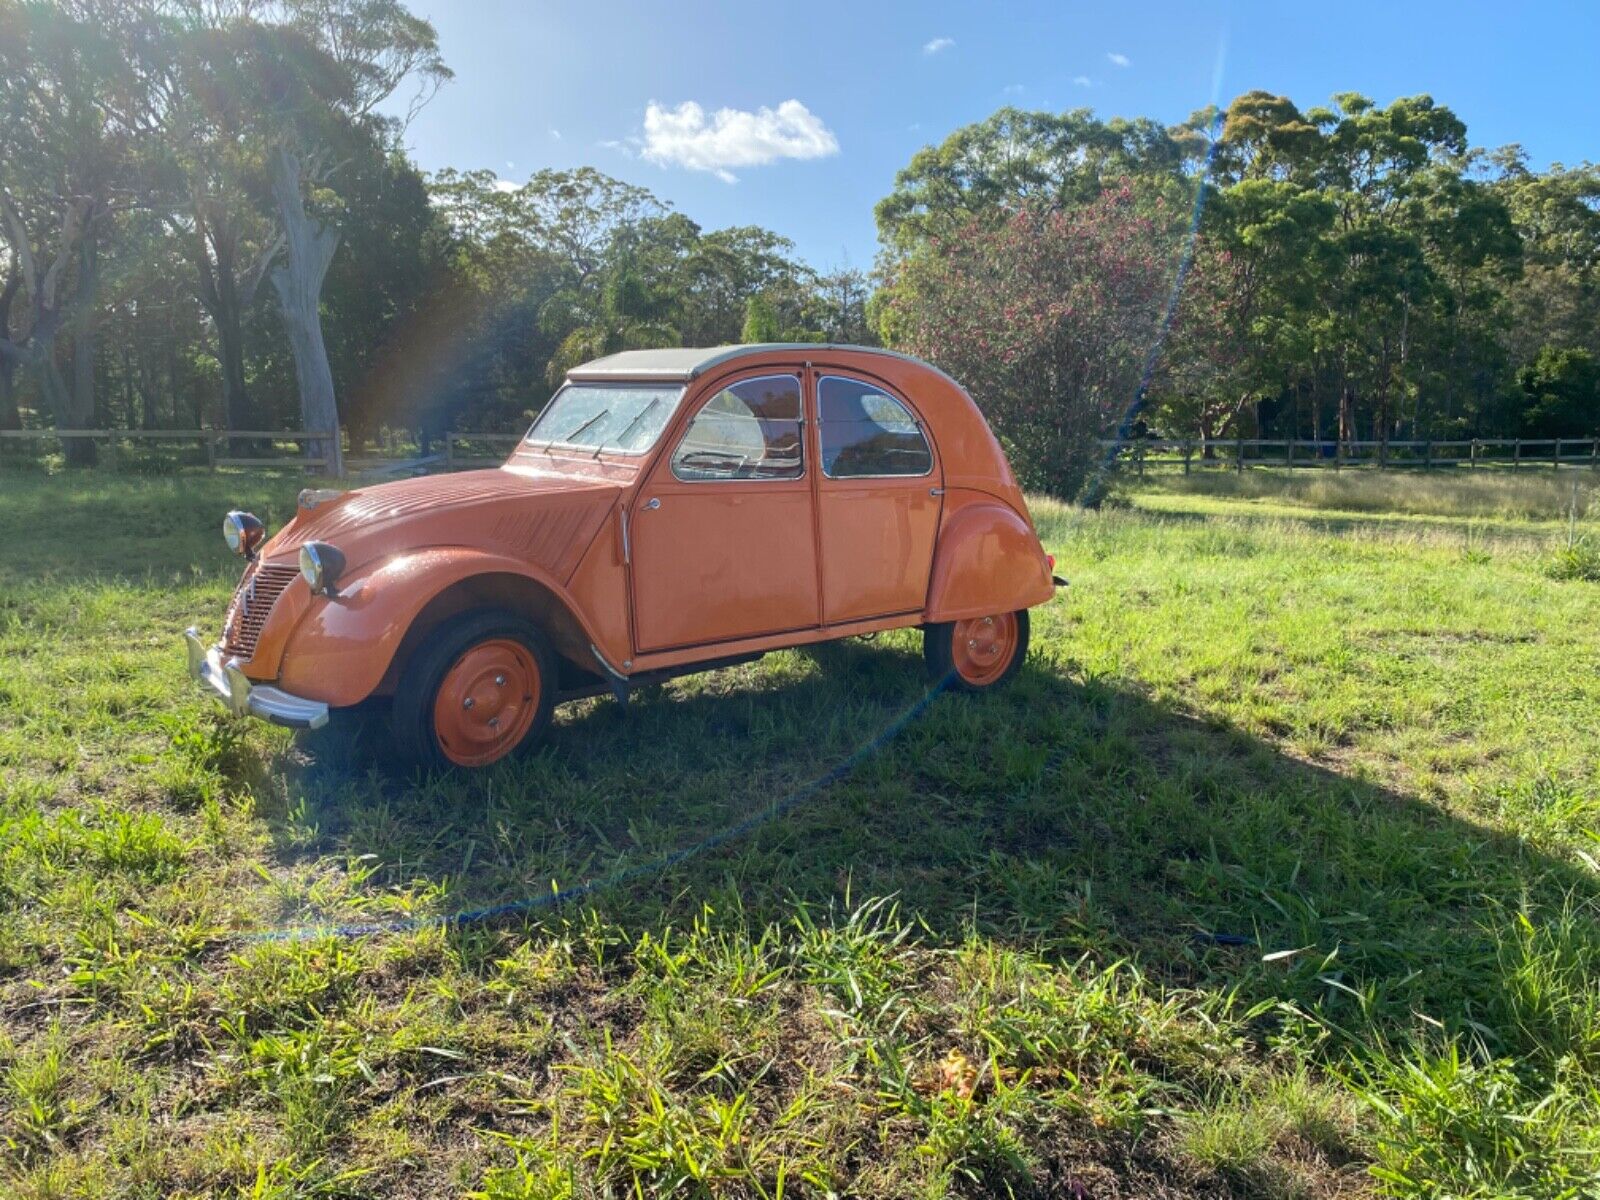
(670, 511)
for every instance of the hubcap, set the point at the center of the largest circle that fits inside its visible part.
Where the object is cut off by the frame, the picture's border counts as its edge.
(486, 702)
(984, 647)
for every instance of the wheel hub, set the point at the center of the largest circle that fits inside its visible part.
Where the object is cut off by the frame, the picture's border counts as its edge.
(486, 702)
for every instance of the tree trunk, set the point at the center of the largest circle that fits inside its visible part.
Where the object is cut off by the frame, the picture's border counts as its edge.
(10, 418)
(78, 402)
(309, 246)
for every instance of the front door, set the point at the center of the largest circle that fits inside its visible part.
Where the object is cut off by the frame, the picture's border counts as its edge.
(723, 534)
(878, 500)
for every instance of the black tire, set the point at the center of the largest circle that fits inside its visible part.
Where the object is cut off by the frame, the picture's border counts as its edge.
(412, 724)
(938, 652)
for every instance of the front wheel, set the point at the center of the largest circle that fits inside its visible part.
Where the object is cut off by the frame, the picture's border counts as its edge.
(977, 654)
(481, 689)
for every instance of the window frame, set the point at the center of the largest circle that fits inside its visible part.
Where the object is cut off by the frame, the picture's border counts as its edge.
(916, 421)
(799, 382)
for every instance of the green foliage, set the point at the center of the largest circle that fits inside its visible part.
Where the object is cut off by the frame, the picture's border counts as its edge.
(1562, 394)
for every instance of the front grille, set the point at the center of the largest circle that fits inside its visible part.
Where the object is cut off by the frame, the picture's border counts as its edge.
(252, 604)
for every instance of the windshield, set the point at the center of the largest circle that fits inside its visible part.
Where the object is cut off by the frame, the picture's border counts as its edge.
(626, 418)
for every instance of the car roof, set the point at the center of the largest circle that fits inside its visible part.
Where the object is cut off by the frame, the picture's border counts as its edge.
(682, 363)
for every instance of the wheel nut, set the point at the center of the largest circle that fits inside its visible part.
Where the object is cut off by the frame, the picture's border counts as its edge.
(494, 722)
(973, 645)
(467, 703)
(499, 681)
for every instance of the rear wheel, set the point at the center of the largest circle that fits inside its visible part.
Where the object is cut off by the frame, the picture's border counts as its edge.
(481, 689)
(979, 653)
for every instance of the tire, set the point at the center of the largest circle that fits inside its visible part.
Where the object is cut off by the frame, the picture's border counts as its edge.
(464, 681)
(976, 655)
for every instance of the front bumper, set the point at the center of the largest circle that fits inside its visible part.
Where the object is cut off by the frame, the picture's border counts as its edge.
(245, 699)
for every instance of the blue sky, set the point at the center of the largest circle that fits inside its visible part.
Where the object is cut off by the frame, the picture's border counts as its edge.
(826, 101)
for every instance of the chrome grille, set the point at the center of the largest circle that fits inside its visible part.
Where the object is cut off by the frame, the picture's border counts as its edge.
(252, 604)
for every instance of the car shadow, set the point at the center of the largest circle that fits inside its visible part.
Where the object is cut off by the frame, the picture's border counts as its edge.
(1069, 815)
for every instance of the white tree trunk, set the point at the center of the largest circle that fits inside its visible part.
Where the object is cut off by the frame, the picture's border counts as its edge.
(309, 245)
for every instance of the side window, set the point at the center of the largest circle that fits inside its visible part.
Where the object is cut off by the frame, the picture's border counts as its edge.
(749, 430)
(866, 432)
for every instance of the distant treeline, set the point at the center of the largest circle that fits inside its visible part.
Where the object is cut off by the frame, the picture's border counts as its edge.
(206, 219)
(1350, 272)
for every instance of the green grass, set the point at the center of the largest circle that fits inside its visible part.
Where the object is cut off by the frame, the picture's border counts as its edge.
(1360, 744)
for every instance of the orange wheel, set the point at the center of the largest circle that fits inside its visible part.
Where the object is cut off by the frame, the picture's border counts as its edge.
(978, 653)
(479, 689)
(486, 702)
(981, 649)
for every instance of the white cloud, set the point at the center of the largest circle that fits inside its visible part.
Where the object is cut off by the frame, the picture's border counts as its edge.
(1117, 60)
(937, 44)
(1083, 81)
(556, 133)
(505, 185)
(687, 136)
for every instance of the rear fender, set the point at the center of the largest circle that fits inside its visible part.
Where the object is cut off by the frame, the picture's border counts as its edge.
(344, 649)
(988, 560)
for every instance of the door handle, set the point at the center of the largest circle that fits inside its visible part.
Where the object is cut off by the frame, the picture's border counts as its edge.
(935, 491)
(652, 503)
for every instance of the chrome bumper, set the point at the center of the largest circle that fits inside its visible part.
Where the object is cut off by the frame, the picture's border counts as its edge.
(245, 699)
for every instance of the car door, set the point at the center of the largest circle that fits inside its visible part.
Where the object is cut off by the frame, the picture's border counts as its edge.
(879, 496)
(724, 531)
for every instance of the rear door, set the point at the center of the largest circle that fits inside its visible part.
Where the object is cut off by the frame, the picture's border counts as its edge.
(879, 496)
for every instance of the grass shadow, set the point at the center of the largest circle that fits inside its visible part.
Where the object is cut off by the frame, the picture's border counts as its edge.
(1067, 814)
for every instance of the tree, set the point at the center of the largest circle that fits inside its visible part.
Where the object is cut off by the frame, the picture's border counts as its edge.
(75, 98)
(1561, 391)
(627, 316)
(1048, 318)
(760, 321)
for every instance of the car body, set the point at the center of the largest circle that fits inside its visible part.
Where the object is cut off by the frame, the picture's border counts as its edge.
(670, 511)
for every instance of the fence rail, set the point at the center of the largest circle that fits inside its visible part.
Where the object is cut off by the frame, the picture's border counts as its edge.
(465, 450)
(210, 439)
(1240, 453)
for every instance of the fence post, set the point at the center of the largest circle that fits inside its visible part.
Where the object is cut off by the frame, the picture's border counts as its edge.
(1472, 454)
(211, 452)
(1238, 451)
(111, 450)
(1427, 455)
(1338, 454)
(1516, 453)
(1555, 461)
(1594, 454)
(1289, 458)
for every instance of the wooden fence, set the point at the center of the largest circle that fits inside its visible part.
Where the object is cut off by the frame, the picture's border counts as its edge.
(110, 440)
(464, 451)
(1239, 453)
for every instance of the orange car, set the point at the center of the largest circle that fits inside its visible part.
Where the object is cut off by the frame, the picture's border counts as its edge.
(670, 511)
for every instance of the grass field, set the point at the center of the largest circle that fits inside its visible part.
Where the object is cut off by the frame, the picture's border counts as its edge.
(1275, 873)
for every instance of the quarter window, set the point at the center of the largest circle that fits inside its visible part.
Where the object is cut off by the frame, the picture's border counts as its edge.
(749, 430)
(866, 432)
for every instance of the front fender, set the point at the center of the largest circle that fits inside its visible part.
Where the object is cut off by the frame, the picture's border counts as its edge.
(342, 647)
(988, 560)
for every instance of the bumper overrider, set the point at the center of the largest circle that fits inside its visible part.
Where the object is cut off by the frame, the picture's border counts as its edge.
(225, 678)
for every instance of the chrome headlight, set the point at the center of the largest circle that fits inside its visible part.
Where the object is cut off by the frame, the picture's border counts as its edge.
(320, 566)
(243, 533)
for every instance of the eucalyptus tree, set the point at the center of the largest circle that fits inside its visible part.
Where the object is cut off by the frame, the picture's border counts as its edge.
(76, 103)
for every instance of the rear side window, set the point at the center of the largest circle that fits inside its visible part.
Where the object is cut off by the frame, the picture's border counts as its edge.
(749, 430)
(866, 432)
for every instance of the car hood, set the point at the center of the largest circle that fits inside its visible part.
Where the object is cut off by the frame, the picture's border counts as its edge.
(547, 520)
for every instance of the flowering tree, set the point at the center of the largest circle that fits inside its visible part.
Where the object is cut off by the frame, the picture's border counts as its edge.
(1047, 318)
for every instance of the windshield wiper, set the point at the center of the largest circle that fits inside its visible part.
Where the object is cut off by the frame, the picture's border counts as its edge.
(645, 412)
(567, 437)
